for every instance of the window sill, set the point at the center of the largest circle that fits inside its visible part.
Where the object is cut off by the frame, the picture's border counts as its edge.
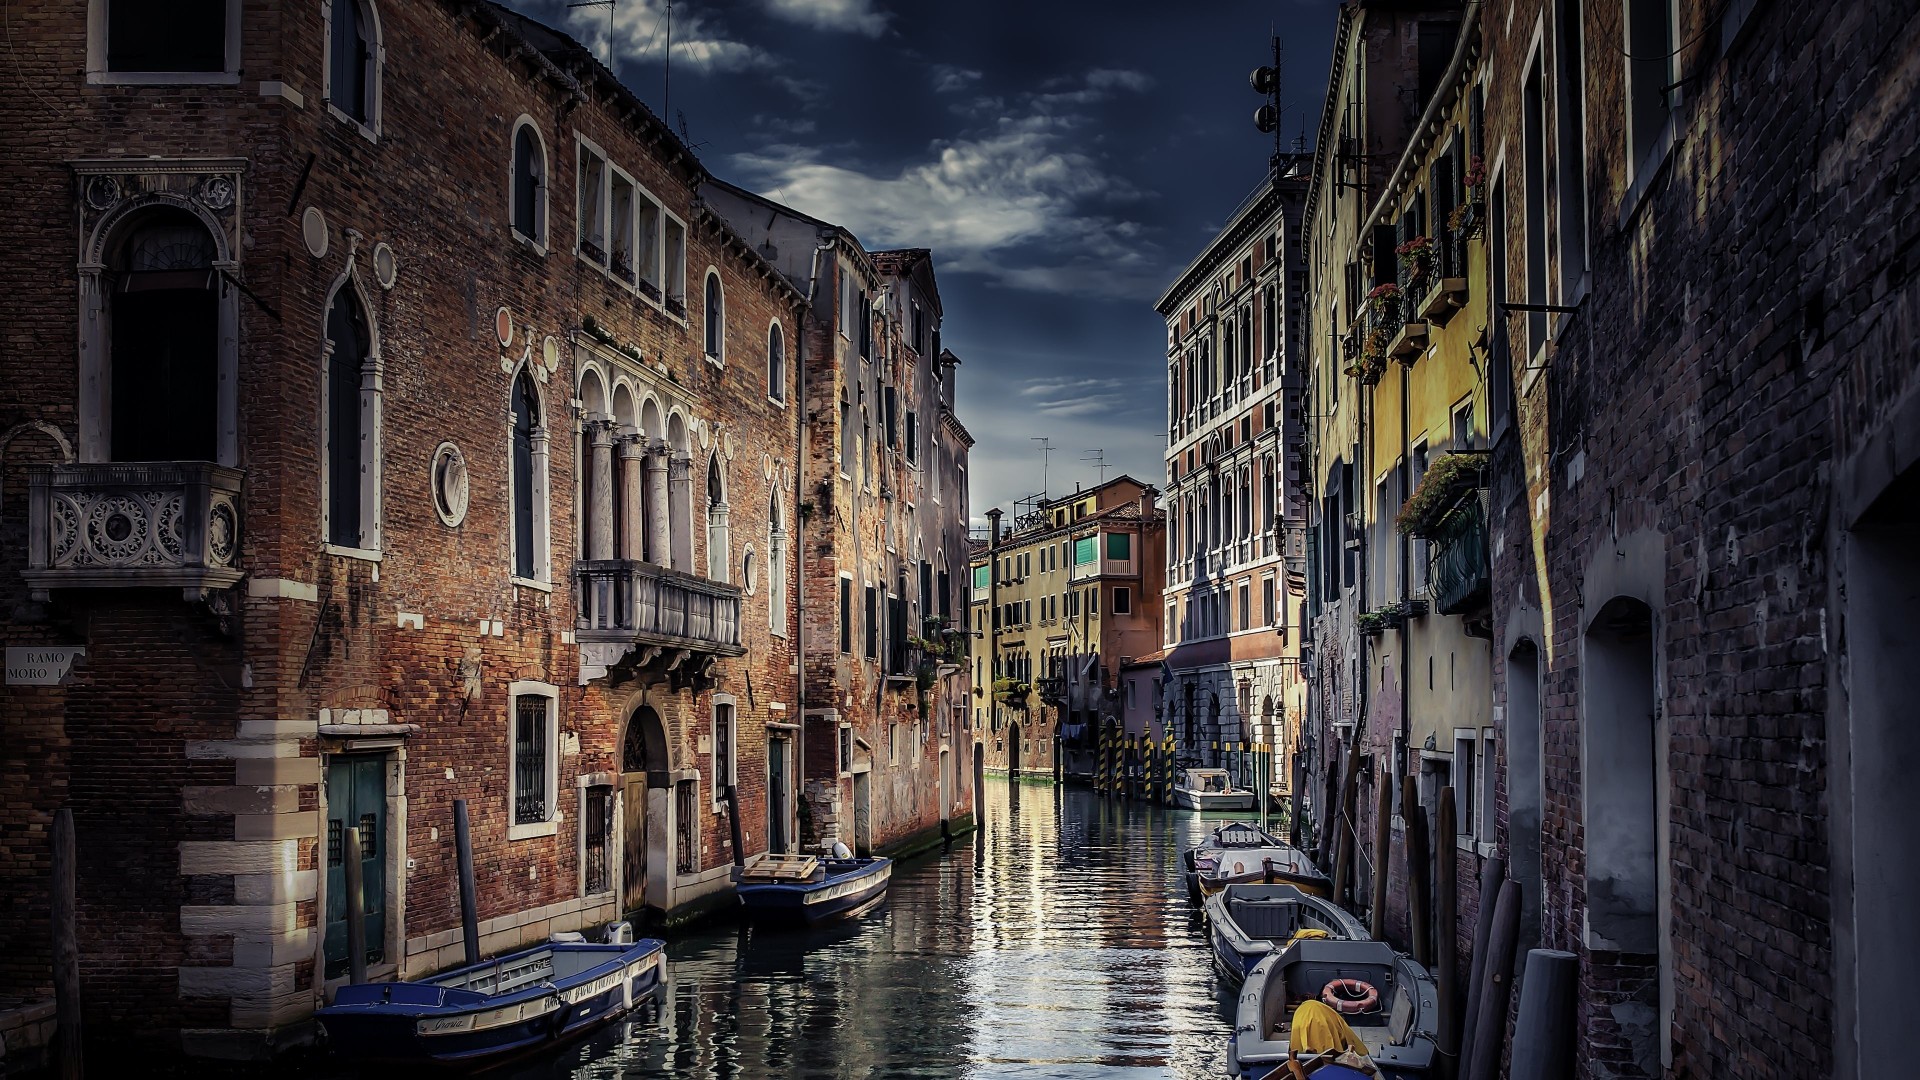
(530, 583)
(715, 361)
(163, 78)
(367, 131)
(1649, 171)
(777, 402)
(528, 242)
(363, 554)
(534, 830)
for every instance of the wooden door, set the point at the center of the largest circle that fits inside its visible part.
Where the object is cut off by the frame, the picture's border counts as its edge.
(357, 799)
(633, 855)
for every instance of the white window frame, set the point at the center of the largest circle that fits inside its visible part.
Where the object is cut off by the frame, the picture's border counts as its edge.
(673, 273)
(1116, 606)
(724, 704)
(551, 826)
(712, 276)
(1466, 797)
(542, 213)
(376, 63)
(541, 490)
(582, 144)
(619, 177)
(99, 75)
(371, 434)
(785, 365)
(778, 540)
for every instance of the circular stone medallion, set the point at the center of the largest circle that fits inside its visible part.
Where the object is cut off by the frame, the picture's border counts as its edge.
(448, 478)
(313, 229)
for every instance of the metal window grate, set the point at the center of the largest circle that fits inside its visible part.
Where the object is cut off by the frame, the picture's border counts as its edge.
(599, 827)
(530, 761)
(689, 832)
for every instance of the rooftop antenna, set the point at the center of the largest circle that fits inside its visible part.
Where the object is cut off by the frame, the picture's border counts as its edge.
(666, 104)
(1046, 454)
(1099, 458)
(608, 4)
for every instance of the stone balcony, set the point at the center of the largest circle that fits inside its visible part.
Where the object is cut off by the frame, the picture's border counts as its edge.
(153, 524)
(639, 620)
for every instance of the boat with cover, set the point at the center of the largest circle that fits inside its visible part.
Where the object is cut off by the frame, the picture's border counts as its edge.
(1241, 852)
(809, 889)
(1230, 836)
(1210, 789)
(1388, 1001)
(1248, 922)
(479, 1014)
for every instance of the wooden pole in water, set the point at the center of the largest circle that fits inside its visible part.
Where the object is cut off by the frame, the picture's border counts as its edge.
(469, 913)
(1345, 837)
(356, 906)
(1491, 875)
(733, 825)
(1543, 1031)
(1446, 933)
(1299, 800)
(1419, 899)
(1497, 989)
(1382, 861)
(66, 948)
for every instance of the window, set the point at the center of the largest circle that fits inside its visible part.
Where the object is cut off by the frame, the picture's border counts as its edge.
(776, 364)
(1120, 546)
(1123, 601)
(182, 38)
(846, 615)
(592, 210)
(1649, 25)
(620, 235)
(352, 467)
(1418, 467)
(1534, 172)
(676, 269)
(1483, 820)
(718, 539)
(647, 246)
(529, 183)
(1463, 424)
(913, 438)
(726, 764)
(353, 53)
(776, 566)
(1246, 606)
(596, 823)
(1569, 131)
(872, 624)
(529, 481)
(1268, 615)
(1464, 793)
(534, 765)
(163, 332)
(716, 316)
(686, 855)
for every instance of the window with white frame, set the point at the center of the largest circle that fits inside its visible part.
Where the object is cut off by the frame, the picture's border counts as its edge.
(1483, 831)
(533, 763)
(1436, 775)
(726, 763)
(674, 251)
(353, 61)
(353, 431)
(620, 230)
(776, 364)
(1465, 792)
(1123, 600)
(528, 489)
(1650, 79)
(716, 317)
(590, 239)
(186, 41)
(528, 183)
(776, 566)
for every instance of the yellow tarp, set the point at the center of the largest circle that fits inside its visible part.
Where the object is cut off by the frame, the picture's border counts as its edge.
(1317, 1029)
(1306, 935)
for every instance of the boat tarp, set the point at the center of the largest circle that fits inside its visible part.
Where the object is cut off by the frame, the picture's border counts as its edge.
(1317, 1029)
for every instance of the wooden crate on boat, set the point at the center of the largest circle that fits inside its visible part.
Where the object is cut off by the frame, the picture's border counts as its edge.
(781, 868)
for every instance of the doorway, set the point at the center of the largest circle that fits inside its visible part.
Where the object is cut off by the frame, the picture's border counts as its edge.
(356, 799)
(778, 793)
(979, 778)
(862, 813)
(643, 768)
(1013, 751)
(946, 785)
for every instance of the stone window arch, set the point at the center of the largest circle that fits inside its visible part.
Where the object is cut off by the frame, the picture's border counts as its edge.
(716, 316)
(166, 310)
(776, 565)
(353, 62)
(527, 183)
(777, 363)
(718, 557)
(528, 502)
(350, 377)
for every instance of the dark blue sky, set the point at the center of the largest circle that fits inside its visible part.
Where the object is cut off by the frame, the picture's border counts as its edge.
(1063, 160)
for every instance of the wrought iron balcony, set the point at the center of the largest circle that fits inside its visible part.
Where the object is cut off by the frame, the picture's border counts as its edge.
(1461, 578)
(643, 617)
(164, 524)
(1053, 689)
(1444, 290)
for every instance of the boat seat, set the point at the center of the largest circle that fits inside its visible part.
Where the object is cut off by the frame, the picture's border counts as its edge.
(1276, 919)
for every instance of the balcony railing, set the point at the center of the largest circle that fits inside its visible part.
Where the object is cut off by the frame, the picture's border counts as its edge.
(166, 524)
(1444, 290)
(639, 603)
(1461, 578)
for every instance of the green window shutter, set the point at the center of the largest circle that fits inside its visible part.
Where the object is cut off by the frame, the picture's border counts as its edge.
(1083, 550)
(1119, 545)
(980, 579)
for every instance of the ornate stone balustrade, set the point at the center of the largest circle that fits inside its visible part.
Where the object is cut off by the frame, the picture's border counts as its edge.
(165, 524)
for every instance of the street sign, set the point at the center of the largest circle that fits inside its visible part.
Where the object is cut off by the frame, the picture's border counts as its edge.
(42, 666)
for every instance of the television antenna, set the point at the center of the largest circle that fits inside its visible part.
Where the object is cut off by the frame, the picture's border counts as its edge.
(1046, 455)
(608, 4)
(1099, 458)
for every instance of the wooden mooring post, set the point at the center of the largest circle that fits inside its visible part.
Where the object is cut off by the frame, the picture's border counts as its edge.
(356, 904)
(1382, 858)
(1491, 875)
(1419, 896)
(469, 915)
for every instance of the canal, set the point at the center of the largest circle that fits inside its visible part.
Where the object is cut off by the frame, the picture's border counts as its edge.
(1055, 942)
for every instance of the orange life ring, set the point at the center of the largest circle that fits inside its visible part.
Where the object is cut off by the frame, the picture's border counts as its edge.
(1350, 996)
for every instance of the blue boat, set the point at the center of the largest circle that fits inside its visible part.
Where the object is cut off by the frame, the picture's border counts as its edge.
(1248, 922)
(809, 890)
(1388, 1000)
(499, 1008)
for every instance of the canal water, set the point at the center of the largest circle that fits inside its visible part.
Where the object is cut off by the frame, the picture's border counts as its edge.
(1054, 942)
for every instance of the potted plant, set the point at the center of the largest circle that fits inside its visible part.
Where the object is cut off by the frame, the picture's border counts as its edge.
(1384, 300)
(1469, 217)
(1446, 479)
(1416, 257)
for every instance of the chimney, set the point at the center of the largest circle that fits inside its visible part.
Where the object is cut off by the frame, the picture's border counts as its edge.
(993, 528)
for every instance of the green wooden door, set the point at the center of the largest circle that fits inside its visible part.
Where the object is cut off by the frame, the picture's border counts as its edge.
(356, 798)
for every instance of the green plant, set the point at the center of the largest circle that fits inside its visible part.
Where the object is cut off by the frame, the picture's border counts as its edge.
(1416, 255)
(1445, 479)
(1383, 618)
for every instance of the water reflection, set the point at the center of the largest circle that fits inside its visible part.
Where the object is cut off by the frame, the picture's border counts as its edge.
(1055, 942)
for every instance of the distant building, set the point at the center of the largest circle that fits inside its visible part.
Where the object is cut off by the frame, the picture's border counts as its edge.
(1236, 509)
(1062, 599)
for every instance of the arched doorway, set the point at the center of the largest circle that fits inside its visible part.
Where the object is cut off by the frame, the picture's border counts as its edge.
(643, 772)
(979, 777)
(1013, 751)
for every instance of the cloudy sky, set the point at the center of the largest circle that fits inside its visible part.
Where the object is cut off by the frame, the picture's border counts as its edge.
(1064, 160)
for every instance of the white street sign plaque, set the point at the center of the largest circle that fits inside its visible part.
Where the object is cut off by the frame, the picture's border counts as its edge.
(41, 667)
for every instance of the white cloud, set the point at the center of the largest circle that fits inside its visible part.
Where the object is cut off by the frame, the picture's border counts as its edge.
(851, 16)
(1020, 199)
(1119, 79)
(947, 78)
(640, 34)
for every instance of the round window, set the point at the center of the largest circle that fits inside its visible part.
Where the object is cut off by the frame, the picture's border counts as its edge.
(449, 483)
(749, 566)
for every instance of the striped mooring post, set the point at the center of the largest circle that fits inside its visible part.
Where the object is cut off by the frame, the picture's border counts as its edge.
(1166, 770)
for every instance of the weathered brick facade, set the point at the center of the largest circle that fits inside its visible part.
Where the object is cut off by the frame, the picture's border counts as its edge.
(202, 741)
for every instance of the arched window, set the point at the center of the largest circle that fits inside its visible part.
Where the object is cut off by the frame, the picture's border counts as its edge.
(776, 566)
(353, 55)
(527, 438)
(163, 318)
(718, 559)
(529, 184)
(349, 346)
(716, 320)
(776, 364)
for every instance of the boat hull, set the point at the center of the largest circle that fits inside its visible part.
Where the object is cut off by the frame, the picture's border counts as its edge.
(839, 896)
(1213, 800)
(402, 1024)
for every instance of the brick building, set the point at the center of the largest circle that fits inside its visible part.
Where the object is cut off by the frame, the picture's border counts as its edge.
(883, 512)
(385, 422)
(1236, 511)
(1062, 600)
(1700, 402)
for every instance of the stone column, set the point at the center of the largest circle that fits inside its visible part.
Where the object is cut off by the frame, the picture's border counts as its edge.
(717, 542)
(658, 537)
(680, 495)
(599, 508)
(632, 451)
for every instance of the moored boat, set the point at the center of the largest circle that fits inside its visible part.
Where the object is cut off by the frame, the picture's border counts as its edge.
(478, 1014)
(1277, 863)
(808, 889)
(1210, 789)
(1386, 999)
(1248, 922)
